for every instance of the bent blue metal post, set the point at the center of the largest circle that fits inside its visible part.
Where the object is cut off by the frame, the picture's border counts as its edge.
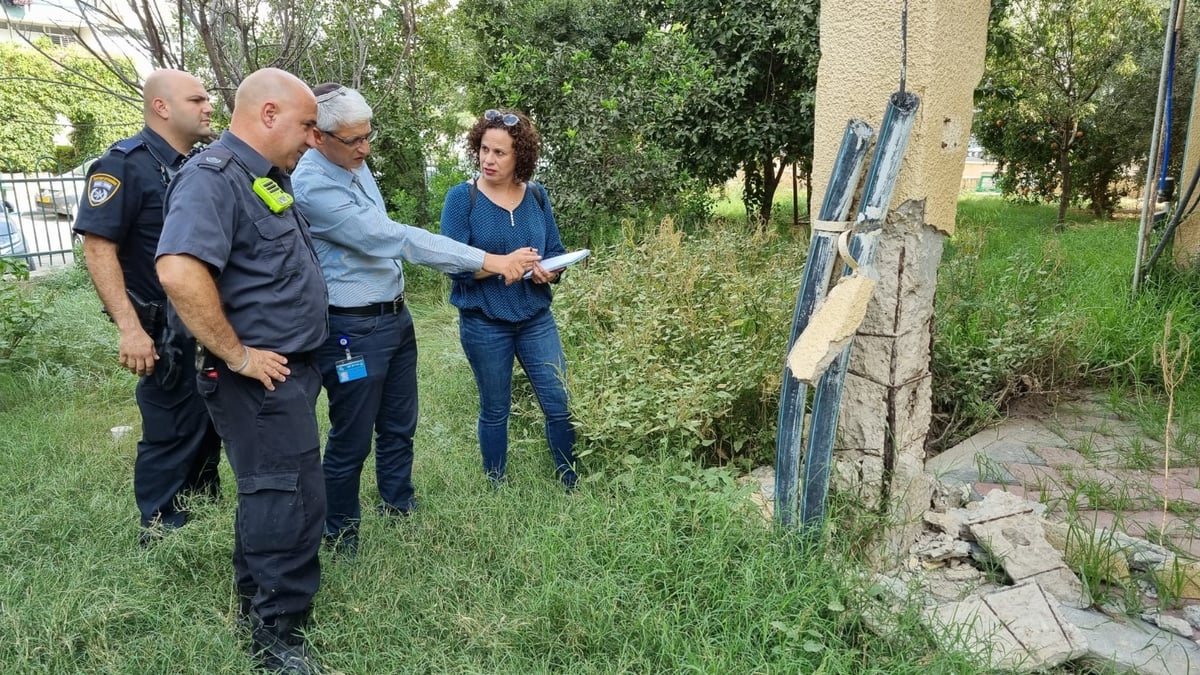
(877, 196)
(818, 268)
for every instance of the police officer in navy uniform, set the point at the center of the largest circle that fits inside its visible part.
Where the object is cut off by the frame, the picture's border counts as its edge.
(237, 262)
(121, 217)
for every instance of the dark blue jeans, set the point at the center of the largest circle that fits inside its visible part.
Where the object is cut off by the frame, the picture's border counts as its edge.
(383, 404)
(490, 346)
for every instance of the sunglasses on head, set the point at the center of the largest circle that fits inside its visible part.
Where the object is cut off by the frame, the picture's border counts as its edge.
(508, 119)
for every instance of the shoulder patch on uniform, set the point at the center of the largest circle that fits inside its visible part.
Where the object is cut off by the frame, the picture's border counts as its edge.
(101, 188)
(213, 158)
(128, 145)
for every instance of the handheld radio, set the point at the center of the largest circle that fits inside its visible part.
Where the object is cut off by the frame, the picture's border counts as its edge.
(272, 195)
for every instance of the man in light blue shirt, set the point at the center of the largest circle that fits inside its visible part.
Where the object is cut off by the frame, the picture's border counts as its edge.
(369, 362)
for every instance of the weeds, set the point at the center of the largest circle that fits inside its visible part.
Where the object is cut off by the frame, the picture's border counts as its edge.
(654, 565)
(1174, 370)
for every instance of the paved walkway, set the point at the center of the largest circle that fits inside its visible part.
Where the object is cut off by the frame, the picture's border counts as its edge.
(1090, 466)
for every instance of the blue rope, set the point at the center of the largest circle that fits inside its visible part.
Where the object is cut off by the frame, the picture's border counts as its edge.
(1166, 154)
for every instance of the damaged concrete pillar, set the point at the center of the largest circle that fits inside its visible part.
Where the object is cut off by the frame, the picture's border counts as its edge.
(885, 410)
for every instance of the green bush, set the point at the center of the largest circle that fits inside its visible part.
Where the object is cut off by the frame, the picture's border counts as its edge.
(1000, 333)
(19, 312)
(33, 90)
(676, 343)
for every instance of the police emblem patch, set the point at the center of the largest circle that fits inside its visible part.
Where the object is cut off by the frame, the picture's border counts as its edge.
(101, 188)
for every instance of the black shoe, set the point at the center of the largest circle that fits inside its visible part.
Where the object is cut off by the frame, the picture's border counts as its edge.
(148, 536)
(344, 543)
(245, 605)
(278, 646)
(154, 533)
(395, 513)
(569, 480)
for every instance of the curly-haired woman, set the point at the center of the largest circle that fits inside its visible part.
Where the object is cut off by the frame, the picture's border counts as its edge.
(500, 211)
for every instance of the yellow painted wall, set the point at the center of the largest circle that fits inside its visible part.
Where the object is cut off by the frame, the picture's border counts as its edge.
(1186, 247)
(860, 69)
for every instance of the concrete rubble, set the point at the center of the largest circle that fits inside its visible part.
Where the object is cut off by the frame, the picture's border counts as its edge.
(993, 578)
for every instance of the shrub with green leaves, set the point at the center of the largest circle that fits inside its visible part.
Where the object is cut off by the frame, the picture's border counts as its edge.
(19, 310)
(676, 343)
(33, 90)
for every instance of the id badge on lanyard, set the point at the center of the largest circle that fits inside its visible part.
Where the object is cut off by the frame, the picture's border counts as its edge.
(352, 367)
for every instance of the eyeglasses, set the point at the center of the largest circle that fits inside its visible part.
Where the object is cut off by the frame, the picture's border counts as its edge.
(369, 137)
(509, 119)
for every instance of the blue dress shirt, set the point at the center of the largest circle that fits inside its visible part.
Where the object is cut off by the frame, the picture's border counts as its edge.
(358, 245)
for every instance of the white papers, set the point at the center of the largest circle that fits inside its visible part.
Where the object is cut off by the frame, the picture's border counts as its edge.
(560, 261)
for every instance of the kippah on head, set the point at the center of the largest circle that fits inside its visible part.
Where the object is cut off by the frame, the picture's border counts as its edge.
(325, 88)
(339, 106)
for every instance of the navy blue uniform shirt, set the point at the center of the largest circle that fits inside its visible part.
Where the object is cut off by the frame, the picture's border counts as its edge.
(265, 269)
(123, 202)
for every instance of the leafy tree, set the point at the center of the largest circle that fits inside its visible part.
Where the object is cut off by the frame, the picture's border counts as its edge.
(643, 102)
(759, 115)
(32, 93)
(597, 78)
(1048, 102)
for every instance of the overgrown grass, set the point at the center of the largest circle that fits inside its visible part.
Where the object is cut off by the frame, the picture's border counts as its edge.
(656, 564)
(653, 566)
(1024, 309)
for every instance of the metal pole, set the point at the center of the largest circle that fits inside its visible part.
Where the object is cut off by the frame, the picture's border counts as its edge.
(894, 133)
(818, 269)
(1152, 162)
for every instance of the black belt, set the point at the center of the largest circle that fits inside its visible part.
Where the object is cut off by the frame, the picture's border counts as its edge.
(373, 309)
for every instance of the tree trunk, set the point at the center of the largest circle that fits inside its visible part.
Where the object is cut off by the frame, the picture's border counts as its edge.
(1064, 170)
(770, 177)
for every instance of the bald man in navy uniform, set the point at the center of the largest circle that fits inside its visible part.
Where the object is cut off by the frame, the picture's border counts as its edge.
(237, 262)
(121, 217)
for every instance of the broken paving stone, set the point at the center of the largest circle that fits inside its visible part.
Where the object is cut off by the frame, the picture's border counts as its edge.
(947, 522)
(1142, 555)
(1019, 544)
(1018, 626)
(1062, 583)
(1121, 644)
(996, 505)
(1192, 614)
(942, 587)
(963, 573)
(1150, 560)
(1033, 618)
(1167, 622)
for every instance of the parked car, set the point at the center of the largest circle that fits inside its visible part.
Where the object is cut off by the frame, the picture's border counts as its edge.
(12, 240)
(60, 194)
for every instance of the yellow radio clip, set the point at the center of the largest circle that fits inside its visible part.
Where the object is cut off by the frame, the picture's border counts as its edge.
(272, 195)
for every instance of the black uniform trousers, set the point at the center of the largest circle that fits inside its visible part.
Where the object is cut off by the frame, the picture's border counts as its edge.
(179, 451)
(273, 446)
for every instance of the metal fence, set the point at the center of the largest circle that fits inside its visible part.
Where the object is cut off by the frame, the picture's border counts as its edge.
(39, 211)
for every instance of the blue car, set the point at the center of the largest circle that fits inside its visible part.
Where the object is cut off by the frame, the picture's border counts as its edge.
(12, 242)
